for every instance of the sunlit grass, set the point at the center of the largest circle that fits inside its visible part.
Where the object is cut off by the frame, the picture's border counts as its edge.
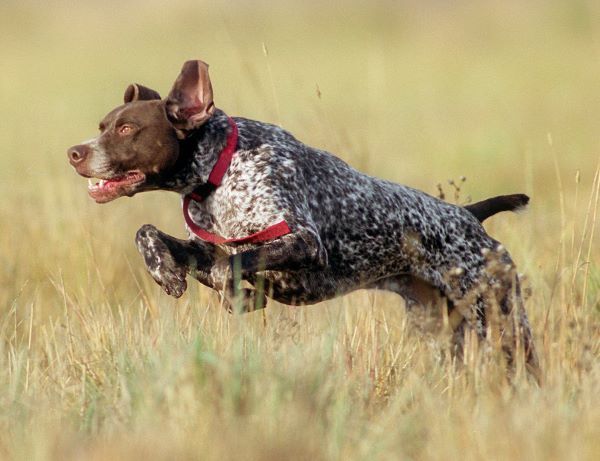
(97, 363)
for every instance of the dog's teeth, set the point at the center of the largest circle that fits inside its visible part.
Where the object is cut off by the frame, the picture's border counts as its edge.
(102, 182)
(90, 183)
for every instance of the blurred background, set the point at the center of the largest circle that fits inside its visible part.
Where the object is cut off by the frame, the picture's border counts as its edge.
(414, 91)
(417, 92)
(505, 93)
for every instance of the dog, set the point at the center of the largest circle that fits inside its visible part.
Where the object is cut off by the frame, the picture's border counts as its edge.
(295, 222)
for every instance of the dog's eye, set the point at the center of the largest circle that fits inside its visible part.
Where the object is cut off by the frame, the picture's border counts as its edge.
(124, 130)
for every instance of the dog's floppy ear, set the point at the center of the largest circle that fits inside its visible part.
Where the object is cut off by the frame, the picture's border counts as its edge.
(190, 102)
(137, 92)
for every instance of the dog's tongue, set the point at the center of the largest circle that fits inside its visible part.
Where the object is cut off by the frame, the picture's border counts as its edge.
(108, 182)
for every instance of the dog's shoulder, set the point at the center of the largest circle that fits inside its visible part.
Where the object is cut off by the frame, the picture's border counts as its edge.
(253, 133)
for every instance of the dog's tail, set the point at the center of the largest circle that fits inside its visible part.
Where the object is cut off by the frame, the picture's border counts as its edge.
(489, 207)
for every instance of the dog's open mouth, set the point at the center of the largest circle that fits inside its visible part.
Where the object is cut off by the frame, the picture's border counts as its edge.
(109, 189)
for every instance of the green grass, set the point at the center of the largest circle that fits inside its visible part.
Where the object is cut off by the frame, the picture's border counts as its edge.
(97, 363)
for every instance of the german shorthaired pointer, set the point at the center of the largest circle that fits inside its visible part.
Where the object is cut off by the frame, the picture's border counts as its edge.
(295, 222)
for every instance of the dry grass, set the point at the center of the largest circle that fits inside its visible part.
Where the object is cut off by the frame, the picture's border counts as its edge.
(96, 363)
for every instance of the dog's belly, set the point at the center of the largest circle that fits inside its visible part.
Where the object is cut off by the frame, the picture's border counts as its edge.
(302, 287)
(310, 286)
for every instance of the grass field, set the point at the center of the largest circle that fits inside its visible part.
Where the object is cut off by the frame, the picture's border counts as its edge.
(96, 363)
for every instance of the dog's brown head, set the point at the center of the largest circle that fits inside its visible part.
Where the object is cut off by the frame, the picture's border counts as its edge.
(139, 140)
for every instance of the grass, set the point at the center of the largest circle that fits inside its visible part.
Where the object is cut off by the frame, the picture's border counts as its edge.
(96, 363)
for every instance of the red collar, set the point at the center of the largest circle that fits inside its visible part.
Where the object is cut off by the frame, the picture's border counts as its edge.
(216, 175)
(214, 180)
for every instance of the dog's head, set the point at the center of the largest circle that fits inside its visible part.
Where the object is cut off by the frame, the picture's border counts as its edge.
(139, 140)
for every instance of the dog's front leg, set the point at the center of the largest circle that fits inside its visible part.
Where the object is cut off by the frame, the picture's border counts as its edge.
(300, 250)
(169, 259)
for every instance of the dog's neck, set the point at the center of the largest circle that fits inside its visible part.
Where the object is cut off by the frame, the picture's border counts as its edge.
(198, 153)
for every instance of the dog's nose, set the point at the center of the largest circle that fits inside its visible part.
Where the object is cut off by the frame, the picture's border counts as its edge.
(78, 154)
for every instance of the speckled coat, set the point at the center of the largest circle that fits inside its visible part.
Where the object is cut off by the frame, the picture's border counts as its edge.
(348, 230)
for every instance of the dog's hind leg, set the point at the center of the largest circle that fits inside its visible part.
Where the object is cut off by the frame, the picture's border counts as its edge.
(424, 302)
(413, 290)
(487, 298)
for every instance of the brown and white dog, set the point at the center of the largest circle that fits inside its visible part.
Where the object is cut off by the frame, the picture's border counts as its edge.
(294, 221)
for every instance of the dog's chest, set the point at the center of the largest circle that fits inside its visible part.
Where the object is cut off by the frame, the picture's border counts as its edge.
(244, 203)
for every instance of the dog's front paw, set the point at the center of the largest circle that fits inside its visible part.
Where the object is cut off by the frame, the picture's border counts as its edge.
(160, 262)
(170, 276)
